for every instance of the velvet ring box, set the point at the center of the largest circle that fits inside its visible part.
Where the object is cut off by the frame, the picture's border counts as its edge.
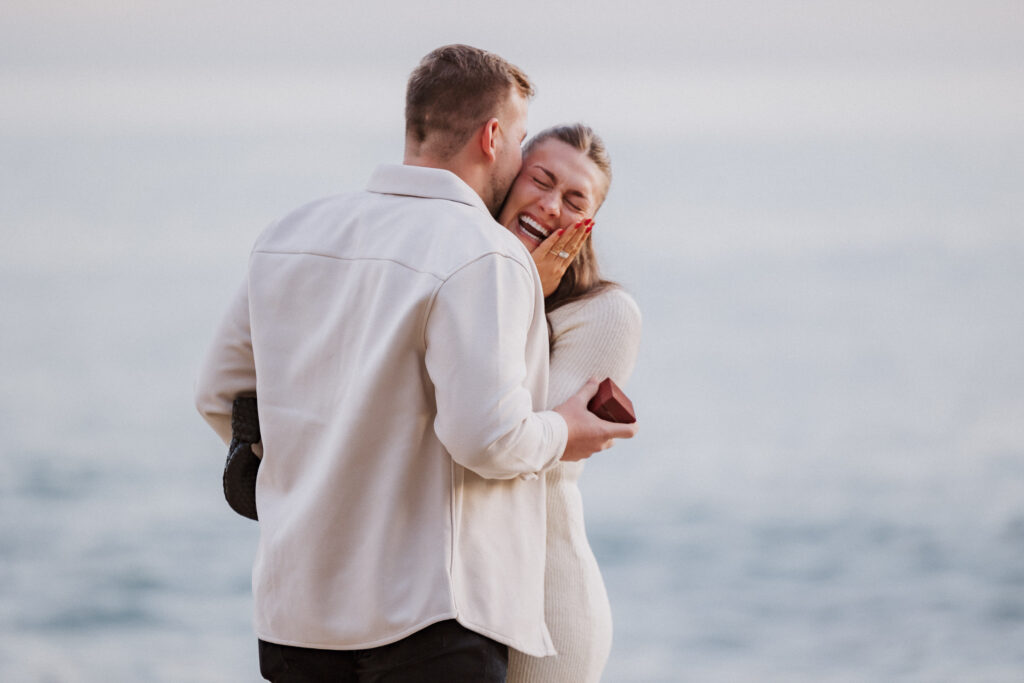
(609, 403)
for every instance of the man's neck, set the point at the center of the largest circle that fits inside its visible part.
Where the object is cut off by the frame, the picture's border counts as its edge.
(471, 174)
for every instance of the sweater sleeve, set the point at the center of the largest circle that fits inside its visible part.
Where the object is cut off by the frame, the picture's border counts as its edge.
(597, 337)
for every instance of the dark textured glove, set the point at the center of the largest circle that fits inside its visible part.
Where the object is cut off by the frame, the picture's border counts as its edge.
(242, 464)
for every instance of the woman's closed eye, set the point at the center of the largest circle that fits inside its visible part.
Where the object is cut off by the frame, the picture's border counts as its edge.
(580, 202)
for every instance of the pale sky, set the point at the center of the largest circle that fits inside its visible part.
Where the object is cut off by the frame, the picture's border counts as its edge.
(328, 32)
(653, 67)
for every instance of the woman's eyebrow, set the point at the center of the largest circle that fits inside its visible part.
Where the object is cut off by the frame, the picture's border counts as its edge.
(551, 176)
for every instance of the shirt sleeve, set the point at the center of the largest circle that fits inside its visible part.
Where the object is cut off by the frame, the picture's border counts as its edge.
(477, 337)
(228, 369)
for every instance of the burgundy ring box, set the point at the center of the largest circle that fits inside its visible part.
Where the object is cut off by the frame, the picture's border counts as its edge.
(609, 403)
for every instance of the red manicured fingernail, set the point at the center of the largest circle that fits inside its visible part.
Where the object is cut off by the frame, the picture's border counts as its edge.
(590, 227)
(561, 231)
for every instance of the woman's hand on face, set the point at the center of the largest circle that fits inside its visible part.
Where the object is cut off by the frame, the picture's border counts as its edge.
(554, 254)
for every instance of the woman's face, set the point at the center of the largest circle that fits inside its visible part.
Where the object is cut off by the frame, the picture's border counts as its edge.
(557, 187)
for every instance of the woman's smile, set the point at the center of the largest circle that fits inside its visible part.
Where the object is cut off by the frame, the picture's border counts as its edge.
(533, 228)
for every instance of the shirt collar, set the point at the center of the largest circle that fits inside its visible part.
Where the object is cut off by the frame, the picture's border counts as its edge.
(422, 181)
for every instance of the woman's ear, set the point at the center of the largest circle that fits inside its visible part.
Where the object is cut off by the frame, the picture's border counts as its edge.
(489, 139)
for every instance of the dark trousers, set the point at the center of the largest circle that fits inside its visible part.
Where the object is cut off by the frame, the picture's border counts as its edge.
(446, 651)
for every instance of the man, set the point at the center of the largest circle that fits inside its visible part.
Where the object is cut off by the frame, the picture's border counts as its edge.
(397, 342)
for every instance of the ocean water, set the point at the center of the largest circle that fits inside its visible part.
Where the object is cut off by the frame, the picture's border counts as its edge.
(829, 480)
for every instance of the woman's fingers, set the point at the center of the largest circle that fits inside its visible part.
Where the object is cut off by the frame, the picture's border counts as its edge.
(562, 239)
(550, 241)
(580, 236)
(570, 240)
(577, 236)
(554, 255)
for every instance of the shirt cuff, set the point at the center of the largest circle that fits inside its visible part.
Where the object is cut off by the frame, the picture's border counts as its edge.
(557, 433)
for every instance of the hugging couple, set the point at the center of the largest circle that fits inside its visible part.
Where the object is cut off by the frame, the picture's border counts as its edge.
(423, 353)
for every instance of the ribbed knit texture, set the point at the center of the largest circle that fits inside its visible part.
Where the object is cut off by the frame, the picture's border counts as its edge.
(596, 337)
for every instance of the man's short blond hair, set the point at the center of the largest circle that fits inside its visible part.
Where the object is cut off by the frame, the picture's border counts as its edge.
(454, 90)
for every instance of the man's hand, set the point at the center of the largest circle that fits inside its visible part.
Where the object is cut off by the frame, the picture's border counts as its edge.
(588, 433)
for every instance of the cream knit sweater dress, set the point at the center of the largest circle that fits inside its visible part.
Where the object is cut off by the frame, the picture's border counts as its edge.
(596, 337)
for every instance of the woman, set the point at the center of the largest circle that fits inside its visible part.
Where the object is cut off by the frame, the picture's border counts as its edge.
(595, 332)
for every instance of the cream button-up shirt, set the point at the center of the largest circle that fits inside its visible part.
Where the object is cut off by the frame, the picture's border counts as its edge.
(397, 344)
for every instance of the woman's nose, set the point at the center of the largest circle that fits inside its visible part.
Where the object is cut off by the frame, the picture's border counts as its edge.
(550, 203)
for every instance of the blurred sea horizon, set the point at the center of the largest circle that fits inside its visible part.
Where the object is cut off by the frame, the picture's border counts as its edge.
(829, 480)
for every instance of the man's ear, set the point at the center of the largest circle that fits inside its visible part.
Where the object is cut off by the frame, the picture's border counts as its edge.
(489, 139)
